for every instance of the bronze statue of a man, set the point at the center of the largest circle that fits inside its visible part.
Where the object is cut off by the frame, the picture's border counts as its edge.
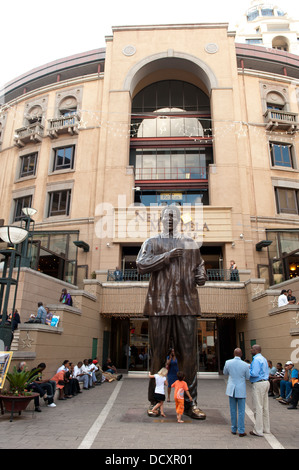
(172, 303)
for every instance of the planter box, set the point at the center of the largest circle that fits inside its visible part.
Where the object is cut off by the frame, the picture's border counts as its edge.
(15, 403)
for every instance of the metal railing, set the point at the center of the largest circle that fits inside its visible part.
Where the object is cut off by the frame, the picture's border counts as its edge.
(30, 130)
(283, 116)
(222, 275)
(126, 275)
(64, 121)
(132, 275)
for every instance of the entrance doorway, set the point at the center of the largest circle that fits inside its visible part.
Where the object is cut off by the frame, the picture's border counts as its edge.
(139, 347)
(207, 346)
(130, 348)
(227, 339)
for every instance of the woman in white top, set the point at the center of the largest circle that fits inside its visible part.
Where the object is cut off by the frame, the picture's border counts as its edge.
(159, 394)
(283, 298)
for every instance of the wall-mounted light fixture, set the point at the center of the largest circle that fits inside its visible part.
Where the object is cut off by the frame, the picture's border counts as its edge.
(262, 244)
(82, 244)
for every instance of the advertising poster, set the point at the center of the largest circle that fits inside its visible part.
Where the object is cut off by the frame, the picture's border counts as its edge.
(5, 358)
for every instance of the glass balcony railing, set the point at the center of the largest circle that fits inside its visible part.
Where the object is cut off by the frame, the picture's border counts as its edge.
(178, 173)
(132, 275)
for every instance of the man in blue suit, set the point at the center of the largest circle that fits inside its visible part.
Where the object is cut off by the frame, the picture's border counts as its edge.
(238, 372)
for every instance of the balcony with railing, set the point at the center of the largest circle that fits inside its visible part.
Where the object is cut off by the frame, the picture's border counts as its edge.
(217, 275)
(67, 124)
(281, 120)
(33, 133)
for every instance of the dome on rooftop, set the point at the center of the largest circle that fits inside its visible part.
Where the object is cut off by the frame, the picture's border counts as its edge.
(263, 9)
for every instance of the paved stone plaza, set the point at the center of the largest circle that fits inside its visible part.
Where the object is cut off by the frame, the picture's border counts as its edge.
(113, 417)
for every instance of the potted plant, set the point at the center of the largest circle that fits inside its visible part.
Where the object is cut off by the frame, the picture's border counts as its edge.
(17, 397)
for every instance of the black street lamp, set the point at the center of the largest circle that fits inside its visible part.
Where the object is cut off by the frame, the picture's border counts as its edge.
(28, 224)
(10, 259)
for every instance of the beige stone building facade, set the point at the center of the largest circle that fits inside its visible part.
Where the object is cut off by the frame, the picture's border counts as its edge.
(98, 142)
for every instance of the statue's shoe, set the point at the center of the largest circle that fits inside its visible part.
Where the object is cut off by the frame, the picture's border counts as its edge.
(195, 413)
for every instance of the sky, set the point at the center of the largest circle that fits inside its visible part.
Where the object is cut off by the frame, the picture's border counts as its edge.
(34, 32)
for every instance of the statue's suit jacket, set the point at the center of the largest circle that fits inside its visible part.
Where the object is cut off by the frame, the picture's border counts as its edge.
(238, 372)
(172, 287)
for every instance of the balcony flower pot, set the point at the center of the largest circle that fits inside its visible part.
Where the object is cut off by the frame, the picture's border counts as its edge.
(17, 398)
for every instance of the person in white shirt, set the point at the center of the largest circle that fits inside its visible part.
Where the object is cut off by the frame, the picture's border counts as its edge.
(92, 369)
(159, 393)
(65, 366)
(283, 298)
(81, 374)
(85, 369)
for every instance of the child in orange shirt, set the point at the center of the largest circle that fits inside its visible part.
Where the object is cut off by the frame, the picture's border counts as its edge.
(180, 388)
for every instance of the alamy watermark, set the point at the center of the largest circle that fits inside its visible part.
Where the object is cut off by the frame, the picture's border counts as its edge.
(139, 221)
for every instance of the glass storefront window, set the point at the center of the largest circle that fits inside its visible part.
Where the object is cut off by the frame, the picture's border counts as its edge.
(55, 254)
(70, 271)
(130, 348)
(58, 244)
(274, 247)
(278, 272)
(289, 242)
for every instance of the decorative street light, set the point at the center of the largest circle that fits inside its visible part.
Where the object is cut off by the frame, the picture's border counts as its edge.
(29, 226)
(12, 236)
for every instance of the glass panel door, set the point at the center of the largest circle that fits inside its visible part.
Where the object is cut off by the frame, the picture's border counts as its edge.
(207, 346)
(138, 354)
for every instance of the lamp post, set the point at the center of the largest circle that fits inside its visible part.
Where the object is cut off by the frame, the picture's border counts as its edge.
(28, 224)
(13, 236)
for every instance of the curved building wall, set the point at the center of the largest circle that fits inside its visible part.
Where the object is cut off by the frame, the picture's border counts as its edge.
(242, 179)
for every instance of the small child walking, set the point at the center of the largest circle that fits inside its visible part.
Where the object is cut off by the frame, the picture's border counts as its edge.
(180, 388)
(159, 393)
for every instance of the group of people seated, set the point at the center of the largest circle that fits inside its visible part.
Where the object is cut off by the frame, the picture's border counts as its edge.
(284, 384)
(67, 379)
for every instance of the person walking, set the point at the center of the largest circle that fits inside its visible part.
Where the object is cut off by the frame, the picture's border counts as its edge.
(259, 377)
(238, 372)
(161, 381)
(180, 390)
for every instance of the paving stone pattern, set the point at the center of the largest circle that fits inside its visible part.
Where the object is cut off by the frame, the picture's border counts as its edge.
(127, 425)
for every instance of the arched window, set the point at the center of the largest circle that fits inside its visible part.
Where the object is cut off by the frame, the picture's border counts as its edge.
(281, 43)
(68, 106)
(275, 100)
(34, 115)
(173, 109)
(171, 147)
